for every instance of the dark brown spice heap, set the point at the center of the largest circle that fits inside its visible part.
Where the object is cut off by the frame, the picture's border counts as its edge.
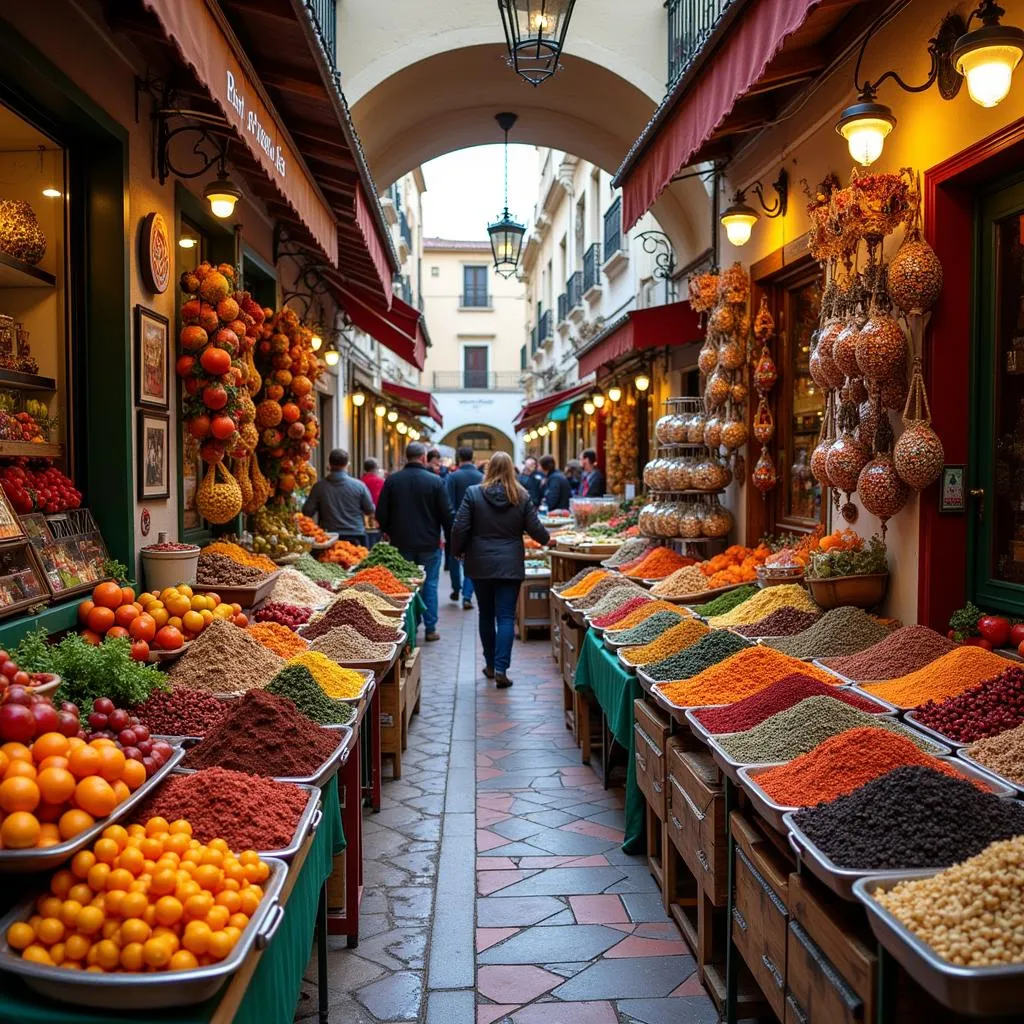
(781, 622)
(350, 613)
(219, 570)
(903, 651)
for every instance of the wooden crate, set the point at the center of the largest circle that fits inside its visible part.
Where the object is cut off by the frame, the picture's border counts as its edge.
(650, 734)
(392, 716)
(532, 611)
(555, 627)
(412, 675)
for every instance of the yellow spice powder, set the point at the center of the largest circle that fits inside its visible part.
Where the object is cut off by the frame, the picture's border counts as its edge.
(673, 640)
(763, 603)
(335, 681)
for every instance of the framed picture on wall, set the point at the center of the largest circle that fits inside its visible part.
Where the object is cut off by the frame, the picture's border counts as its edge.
(153, 455)
(152, 359)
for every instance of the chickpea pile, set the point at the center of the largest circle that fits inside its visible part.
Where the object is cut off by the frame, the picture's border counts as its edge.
(144, 898)
(971, 914)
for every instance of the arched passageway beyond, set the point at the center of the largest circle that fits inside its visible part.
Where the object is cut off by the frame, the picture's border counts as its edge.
(485, 440)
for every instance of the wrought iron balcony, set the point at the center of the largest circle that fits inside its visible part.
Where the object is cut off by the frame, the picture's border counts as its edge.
(480, 380)
(592, 267)
(563, 307)
(522, 358)
(324, 15)
(544, 333)
(690, 25)
(533, 340)
(404, 229)
(574, 289)
(613, 228)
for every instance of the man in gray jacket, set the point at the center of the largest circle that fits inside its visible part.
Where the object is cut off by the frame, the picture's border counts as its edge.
(340, 502)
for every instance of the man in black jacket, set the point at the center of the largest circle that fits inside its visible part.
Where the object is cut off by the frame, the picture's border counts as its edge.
(532, 479)
(414, 512)
(556, 491)
(457, 483)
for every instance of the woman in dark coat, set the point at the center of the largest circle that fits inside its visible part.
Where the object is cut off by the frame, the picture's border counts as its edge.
(488, 533)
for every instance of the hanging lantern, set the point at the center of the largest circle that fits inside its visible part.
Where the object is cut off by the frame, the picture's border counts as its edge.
(535, 34)
(506, 233)
(764, 477)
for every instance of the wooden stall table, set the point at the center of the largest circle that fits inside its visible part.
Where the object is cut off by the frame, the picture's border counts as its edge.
(565, 564)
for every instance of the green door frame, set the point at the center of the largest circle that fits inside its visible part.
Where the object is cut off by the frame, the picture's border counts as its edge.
(994, 204)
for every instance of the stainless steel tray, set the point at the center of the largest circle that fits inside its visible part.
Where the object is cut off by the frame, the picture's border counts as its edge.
(910, 717)
(852, 684)
(625, 664)
(149, 990)
(991, 773)
(867, 693)
(368, 678)
(376, 667)
(975, 991)
(49, 857)
(338, 757)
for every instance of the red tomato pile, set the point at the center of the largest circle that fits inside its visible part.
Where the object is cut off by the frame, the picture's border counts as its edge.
(41, 488)
(112, 611)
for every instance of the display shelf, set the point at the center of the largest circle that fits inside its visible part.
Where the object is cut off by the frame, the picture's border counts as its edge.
(26, 381)
(18, 274)
(675, 494)
(31, 450)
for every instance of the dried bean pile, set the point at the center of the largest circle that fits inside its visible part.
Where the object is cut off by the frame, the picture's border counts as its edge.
(685, 581)
(799, 729)
(296, 683)
(679, 637)
(650, 629)
(353, 614)
(614, 596)
(344, 644)
(631, 550)
(725, 603)
(247, 811)
(594, 597)
(784, 622)
(899, 652)
(290, 615)
(910, 818)
(712, 648)
(790, 690)
(944, 677)
(225, 659)
(839, 631)
(991, 707)
(221, 571)
(181, 712)
(293, 587)
(264, 734)
(1004, 754)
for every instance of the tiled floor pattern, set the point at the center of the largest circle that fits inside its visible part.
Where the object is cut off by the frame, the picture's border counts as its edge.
(567, 928)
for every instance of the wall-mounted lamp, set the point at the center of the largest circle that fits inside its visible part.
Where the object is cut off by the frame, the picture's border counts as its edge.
(740, 218)
(598, 399)
(358, 399)
(222, 194)
(52, 193)
(316, 341)
(986, 56)
(187, 242)
(393, 416)
(542, 430)
(331, 354)
(641, 382)
(414, 435)
(588, 407)
(614, 393)
(401, 427)
(380, 410)
(552, 426)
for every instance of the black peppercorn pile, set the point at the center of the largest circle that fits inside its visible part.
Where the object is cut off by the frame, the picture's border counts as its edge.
(911, 817)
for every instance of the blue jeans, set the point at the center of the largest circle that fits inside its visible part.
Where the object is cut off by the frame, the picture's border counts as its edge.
(460, 582)
(432, 569)
(497, 602)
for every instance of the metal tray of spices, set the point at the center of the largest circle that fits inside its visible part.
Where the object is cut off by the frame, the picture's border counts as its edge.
(860, 688)
(152, 989)
(48, 857)
(991, 773)
(246, 596)
(378, 667)
(910, 717)
(307, 824)
(974, 991)
(337, 758)
(622, 661)
(368, 678)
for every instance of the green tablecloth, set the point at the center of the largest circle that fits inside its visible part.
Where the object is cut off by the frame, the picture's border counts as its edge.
(599, 672)
(413, 618)
(273, 990)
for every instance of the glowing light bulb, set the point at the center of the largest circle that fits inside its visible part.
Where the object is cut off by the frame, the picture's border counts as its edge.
(615, 393)
(358, 398)
(989, 71)
(380, 411)
(52, 193)
(588, 407)
(641, 382)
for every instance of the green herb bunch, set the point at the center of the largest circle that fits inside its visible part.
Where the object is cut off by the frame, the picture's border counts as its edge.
(964, 622)
(390, 558)
(831, 564)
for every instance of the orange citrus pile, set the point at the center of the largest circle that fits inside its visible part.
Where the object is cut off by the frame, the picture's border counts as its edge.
(736, 564)
(309, 528)
(344, 553)
(60, 786)
(144, 898)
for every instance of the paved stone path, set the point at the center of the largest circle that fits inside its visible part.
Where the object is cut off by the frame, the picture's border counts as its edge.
(542, 919)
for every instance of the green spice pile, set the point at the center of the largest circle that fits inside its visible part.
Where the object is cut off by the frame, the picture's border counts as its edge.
(390, 558)
(713, 648)
(319, 572)
(725, 603)
(650, 629)
(837, 633)
(296, 683)
(799, 729)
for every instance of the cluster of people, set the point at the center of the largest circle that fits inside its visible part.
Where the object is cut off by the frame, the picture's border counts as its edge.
(480, 511)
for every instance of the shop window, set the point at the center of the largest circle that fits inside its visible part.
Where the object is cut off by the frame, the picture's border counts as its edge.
(474, 366)
(474, 286)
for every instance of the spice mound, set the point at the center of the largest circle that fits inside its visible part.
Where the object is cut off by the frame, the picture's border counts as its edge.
(673, 640)
(383, 579)
(601, 599)
(764, 602)
(318, 572)
(725, 603)
(293, 587)
(225, 659)
(614, 618)
(910, 818)
(784, 622)
(991, 707)
(370, 597)
(1003, 754)
(337, 682)
(745, 673)
(644, 611)
(364, 601)
(263, 734)
(219, 571)
(650, 629)
(840, 631)
(296, 683)
(561, 588)
(947, 676)
(631, 550)
(799, 729)
(277, 638)
(681, 583)
(181, 712)
(954, 910)
(343, 643)
(351, 613)
(712, 648)
(904, 650)
(585, 585)
(657, 564)
(247, 811)
(387, 556)
(842, 764)
(790, 690)
(238, 554)
(388, 600)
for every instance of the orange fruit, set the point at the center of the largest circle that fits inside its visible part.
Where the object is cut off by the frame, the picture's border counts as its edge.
(133, 904)
(131, 957)
(69, 912)
(120, 879)
(49, 762)
(100, 619)
(163, 882)
(50, 930)
(106, 849)
(97, 877)
(121, 791)
(134, 929)
(16, 752)
(168, 910)
(218, 917)
(108, 595)
(20, 935)
(134, 774)
(74, 821)
(131, 859)
(80, 893)
(154, 953)
(50, 744)
(183, 960)
(220, 944)
(84, 761)
(90, 920)
(112, 763)
(108, 956)
(198, 906)
(156, 826)
(95, 796)
(82, 862)
(19, 794)
(127, 595)
(142, 627)
(76, 947)
(20, 831)
(36, 954)
(20, 769)
(83, 611)
(55, 785)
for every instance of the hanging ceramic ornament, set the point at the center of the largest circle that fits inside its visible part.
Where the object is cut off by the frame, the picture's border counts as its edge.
(765, 373)
(848, 454)
(881, 346)
(717, 388)
(723, 319)
(915, 272)
(707, 359)
(764, 325)
(732, 355)
(738, 392)
(882, 492)
(918, 455)
(764, 423)
(764, 476)
(819, 456)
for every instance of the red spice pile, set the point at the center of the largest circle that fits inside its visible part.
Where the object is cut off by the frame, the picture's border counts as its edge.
(264, 734)
(991, 707)
(248, 812)
(780, 696)
(181, 712)
(621, 612)
(842, 764)
(351, 613)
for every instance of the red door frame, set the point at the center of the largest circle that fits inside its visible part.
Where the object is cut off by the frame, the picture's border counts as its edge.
(949, 226)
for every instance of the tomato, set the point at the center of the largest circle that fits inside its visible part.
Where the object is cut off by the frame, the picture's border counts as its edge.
(1017, 635)
(199, 427)
(978, 641)
(215, 361)
(142, 627)
(117, 632)
(169, 639)
(140, 650)
(91, 638)
(215, 397)
(995, 629)
(184, 366)
(83, 611)
(107, 595)
(101, 619)
(222, 427)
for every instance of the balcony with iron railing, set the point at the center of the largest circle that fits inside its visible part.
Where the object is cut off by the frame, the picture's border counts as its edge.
(563, 307)
(592, 269)
(324, 16)
(522, 358)
(690, 26)
(533, 340)
(475, 298)
(544, 327)
(574, 289)
(404, 230)
(613, 228)
(480, 380)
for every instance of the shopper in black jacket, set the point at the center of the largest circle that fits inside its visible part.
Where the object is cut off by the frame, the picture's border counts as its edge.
(532, 479)
(556, 489)
(414, 512)
(457, 483)
(488, 532)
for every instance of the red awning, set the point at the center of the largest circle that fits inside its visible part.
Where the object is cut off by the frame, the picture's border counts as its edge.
(398, 328)
(704, 103)
(413, 396)
(673, 324)
(535, 412)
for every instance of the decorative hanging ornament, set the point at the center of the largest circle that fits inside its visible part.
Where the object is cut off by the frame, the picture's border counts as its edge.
(882, 492)
(848, 455)
(918, 455)
(764, 325)
(765, 373)
(881, 347)
(764, 423)
(764, 476)
(707, 359)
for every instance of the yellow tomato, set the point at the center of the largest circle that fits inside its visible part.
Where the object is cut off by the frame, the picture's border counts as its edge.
(167, 593)
(160, 615)
(198, 602)
(193, 621)
(184, 588)
(223, 611)
(207, 616)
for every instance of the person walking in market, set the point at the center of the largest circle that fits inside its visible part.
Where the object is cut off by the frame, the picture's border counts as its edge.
(556, 484)
(414, 512)
(592, 482)
(372, 478)
(532, 479)
(574, 474)
(488, 535)
(339, 502)
(457, 483)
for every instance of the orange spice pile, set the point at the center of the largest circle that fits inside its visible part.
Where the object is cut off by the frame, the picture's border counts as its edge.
(383, 579)
(645, 611)
(277, 638)
(585, 585)
(658, 564)
(947, 676)
(672, 641)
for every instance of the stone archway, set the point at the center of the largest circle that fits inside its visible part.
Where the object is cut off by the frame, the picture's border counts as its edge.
(484, 439)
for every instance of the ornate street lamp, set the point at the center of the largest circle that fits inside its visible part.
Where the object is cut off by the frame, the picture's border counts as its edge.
(535, 33)
(506, 234)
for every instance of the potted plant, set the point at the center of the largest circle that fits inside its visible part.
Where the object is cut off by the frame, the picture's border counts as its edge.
(852, 576)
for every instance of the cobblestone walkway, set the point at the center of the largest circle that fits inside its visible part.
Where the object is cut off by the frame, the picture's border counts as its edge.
(542, 919)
